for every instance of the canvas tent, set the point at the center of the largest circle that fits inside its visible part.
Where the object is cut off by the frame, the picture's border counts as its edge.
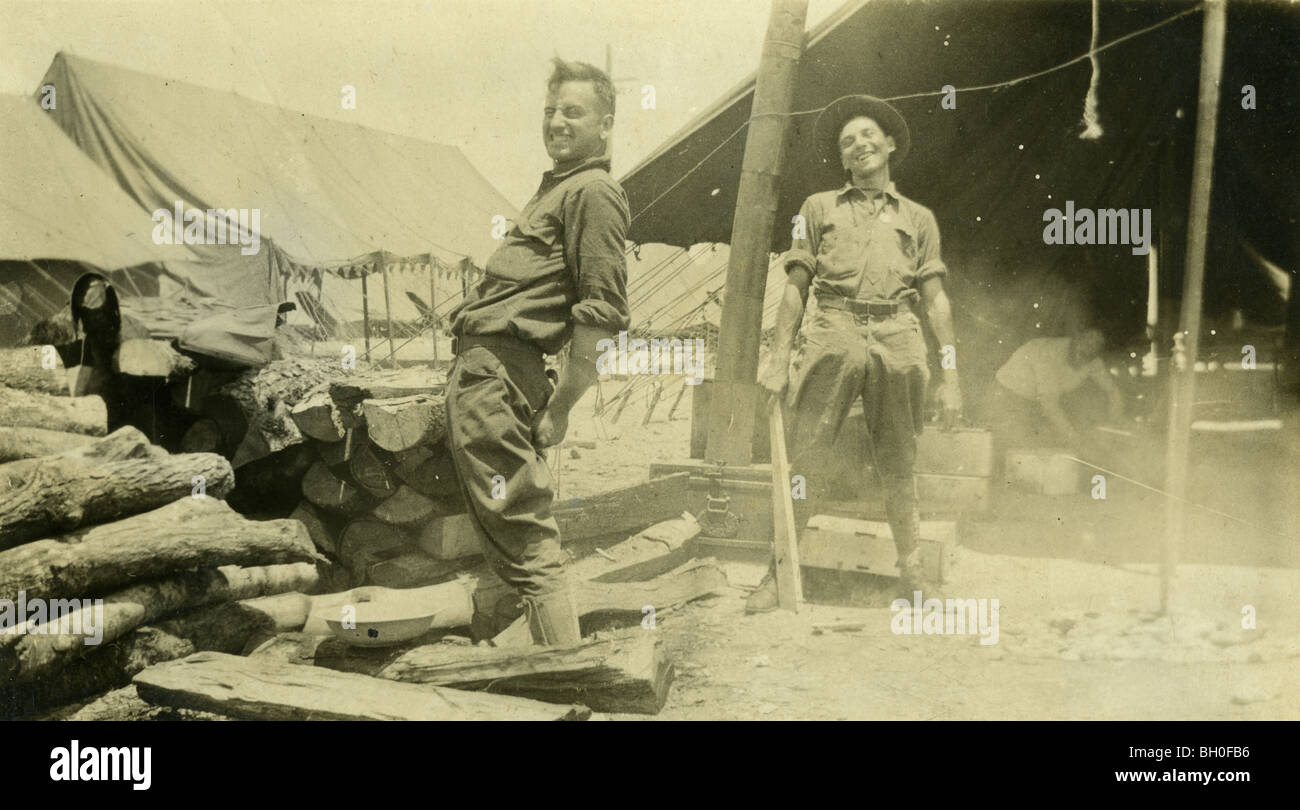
(335, 199)
(990, 167)
(60, 216)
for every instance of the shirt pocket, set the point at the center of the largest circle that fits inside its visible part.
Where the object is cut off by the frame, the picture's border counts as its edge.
(542, 230)
(905, 266)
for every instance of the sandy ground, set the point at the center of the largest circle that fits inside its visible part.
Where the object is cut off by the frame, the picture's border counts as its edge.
(1077, 590)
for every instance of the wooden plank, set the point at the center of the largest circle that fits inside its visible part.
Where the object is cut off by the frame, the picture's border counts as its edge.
(263, 689)
(627, 509)
(785, 543)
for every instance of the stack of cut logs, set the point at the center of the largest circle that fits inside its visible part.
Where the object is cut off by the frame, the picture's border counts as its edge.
(380, 498)
(206, 613)
(86, 517)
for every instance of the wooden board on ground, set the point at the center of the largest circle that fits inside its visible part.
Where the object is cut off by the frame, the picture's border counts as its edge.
(627, 509)
(626, 671)
(263, 689)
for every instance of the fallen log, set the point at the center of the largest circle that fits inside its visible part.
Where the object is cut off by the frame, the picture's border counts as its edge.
(125, 705)
(627, 509)
(22, 368)
(406, 422)
(41, 649)
(328, 491)
(120, 445)
(86, 415)
(189, 533)
(30, 442)
(263, 689)
(627, 672)
(54, 495)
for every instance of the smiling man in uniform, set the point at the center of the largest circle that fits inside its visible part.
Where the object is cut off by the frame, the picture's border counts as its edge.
(559, 277)
(868, 254)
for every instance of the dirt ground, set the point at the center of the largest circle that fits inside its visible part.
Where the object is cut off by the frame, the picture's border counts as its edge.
(1077, 590)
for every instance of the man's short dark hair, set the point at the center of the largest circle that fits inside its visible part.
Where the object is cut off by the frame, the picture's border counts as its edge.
(583, 72)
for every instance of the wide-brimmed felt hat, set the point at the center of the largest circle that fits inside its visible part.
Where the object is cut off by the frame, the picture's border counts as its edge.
(826, 131)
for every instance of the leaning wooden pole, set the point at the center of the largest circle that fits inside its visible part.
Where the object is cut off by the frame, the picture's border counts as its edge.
(1183, 371)
(731, 416)
(365, 314)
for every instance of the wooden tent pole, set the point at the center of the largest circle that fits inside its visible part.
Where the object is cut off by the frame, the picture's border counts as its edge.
(365, 312)
(731, 414)
(433, 306)
(388, 315)
(1183, 369)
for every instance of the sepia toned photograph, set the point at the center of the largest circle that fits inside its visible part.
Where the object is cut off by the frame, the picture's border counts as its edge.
(749, 360)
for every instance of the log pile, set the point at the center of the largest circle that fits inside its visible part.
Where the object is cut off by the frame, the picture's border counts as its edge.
(103, 542)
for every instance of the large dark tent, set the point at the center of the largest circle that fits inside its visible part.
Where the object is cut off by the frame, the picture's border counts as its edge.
(1011, 150)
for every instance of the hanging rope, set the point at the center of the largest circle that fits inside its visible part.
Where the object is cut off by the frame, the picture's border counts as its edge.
(1091, 123)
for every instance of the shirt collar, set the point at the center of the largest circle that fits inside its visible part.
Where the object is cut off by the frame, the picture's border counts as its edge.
(595, 161)
(890, 191)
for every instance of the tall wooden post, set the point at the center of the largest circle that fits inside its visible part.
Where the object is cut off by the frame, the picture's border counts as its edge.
(388, 315)
(1183, 369)
(365, 312)
(433, 305)
(731, 415)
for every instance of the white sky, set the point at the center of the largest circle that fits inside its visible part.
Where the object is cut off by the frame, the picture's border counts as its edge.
(469, 73)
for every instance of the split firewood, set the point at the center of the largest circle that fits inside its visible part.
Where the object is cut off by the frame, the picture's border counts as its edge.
(54, 495)
(264, 689)
(324, 536)
(434, 475)
(25, 368)
(186, 534)
(316, 418)
(366, 541)
(71, 414)
(369, 467)
(406, 422)
(411, 570)
(405, 507)
(325, 489)
(627, 671)
(44, 648)
(449, 538)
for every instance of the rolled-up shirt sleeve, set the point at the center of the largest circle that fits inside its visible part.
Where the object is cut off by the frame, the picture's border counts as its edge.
(805, 236)
(929, 262)
(596, 222)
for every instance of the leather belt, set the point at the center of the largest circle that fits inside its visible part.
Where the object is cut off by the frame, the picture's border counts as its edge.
(496, 343)
(862, 308)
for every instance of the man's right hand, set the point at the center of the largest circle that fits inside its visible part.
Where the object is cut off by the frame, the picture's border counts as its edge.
(775, 377)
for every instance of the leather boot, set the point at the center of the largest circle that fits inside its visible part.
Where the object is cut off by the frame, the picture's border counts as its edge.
(764, 598)
(553, 618)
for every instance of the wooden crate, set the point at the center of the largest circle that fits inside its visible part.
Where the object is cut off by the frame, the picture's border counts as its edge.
(864, 553)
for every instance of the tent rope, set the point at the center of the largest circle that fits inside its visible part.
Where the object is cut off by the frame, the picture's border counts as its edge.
(1091, 124)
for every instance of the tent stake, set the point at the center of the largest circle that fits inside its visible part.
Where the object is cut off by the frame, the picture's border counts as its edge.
(1183, 369)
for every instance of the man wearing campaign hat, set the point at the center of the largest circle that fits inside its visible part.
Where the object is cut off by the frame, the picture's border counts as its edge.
(869, 255)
